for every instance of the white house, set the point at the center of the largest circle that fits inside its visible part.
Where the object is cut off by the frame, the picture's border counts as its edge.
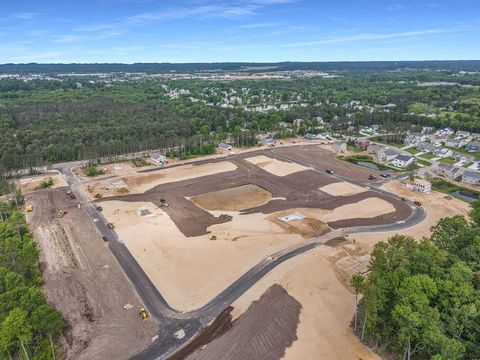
(420, 185)
(224, 146)
(462, 134)
(455, 143)
(387, 154)
(402, 161)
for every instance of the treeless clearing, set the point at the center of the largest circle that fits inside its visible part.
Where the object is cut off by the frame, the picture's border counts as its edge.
(275, 166)
(30, 184)
(233, 199)
(342, 189)
(327, 308)
(190, 271)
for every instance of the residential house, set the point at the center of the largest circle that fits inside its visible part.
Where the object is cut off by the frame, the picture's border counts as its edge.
(427, 129)
(442, 152)
(309, 137)
(455, 143)
(473, 146)
(420, 185)
(375, 148)
(414, 139)
(462, 134)
(471, 177)
(362, 143)
(402, 161)
(449, 171)
(387, 154)
(475, 136)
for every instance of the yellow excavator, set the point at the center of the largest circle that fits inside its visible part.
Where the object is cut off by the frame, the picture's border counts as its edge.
(143, 314)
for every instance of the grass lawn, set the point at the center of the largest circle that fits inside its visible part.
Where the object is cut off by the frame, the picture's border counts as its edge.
(427, 156)
(424, 162)
(413, 150)
(448, 160)
(467, 165)
(354, 149)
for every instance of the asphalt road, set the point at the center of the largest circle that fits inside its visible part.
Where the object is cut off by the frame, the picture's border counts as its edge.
(172, 320)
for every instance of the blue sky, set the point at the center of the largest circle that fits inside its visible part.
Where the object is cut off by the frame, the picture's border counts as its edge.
(237, 30)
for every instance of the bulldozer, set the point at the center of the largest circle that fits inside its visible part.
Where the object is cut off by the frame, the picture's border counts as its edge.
(143, 314)
(29, 207)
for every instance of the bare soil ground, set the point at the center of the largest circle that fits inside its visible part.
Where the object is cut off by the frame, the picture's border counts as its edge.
(233, 199)
(323, 158)
(291, 191)
(264, 331)
(275, 166)
(84, 281)
(29, 184)
(327, 308)
(342, 189)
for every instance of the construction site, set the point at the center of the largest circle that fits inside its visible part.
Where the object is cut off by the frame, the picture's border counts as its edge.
(196, 229)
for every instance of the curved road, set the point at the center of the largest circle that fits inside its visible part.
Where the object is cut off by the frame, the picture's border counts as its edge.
(172, 320)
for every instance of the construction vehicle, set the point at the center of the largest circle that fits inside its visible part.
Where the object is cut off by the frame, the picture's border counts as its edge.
(98, 196)
(29, 207)
(99, 208)
(143, 314)
(60, 214)
(163, 202)
(417, 203)
(72, 196)
(110, 226)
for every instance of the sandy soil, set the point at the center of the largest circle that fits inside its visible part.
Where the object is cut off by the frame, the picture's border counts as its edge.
(140, 183)
(275, 166)
(437, 205)
(29, 184)
(84, 281)
(233, 199)
(177, 264)
(342, 189)
(327, 308)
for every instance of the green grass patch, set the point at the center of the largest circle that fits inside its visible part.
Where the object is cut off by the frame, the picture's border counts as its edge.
(449, 188)
(94, 171)
(448, 160)
(468, 164)
(45, 184)
(354, 149)
(413, 150)
(424, 162)
(428, 156)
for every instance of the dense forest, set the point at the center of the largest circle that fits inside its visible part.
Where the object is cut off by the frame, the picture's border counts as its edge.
(422, 299)
(29, 326)
(54, 120)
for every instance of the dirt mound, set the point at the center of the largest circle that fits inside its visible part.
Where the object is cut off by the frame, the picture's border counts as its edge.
(233, 199)
(307, 227)
(342, 189)
(264, 331)
(275, 166)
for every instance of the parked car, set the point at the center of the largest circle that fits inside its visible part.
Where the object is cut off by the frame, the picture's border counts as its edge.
(417, 203)
(110, 226)
(104, 238)
(99, 208)
(371, 177)
(330, 172)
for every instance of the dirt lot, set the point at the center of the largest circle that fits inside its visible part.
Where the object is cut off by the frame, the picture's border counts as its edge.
(321, 157)
(84, 281)
(29, 184)
(233, 199)
(297, 190)
(327, 308)
(275, 166)
(342, 189)
(264, 331)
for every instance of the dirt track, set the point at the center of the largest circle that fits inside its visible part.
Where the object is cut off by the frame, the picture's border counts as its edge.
(299, 190)
(84, 281)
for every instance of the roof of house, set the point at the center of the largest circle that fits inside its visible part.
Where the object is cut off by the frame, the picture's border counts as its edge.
(472, 174)
(422, 182)
(403, 157)
(473, 143)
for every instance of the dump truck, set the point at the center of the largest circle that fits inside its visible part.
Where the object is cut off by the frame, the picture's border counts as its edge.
(60, 214)
(98, 196)
(29, 207)
(143, 314)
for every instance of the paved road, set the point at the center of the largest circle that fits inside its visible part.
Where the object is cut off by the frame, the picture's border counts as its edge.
(172, 320)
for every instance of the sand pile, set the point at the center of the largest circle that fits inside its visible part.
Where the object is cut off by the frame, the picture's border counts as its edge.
(275, 166)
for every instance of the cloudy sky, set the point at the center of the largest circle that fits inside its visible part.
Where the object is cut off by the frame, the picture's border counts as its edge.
(238, 30)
